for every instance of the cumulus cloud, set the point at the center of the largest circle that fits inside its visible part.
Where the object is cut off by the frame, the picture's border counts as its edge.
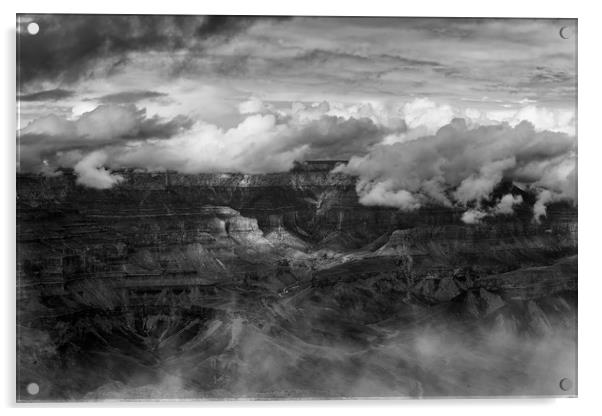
(559, 120)
(386, 116)
(473, 216)
(253, 105)
(260, 143)
(507, 203)
(505, 206)
(90, 172)
(421, 117)
(384, 194)
(105, 125)
(248, 147)
(424, 116)
(266, 140)
(427, 113)
(478, 186)
(333, 137)
(106, 122)
(461, 165)
(544, 197)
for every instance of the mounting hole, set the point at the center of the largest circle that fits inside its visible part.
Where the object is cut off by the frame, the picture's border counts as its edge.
(33, 28)
(565, 32)
(33, 389)
(566, 384)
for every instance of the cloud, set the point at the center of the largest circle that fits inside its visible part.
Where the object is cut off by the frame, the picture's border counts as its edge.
(507, 203)
(305, 58)
(47, 95)
(383, 115)
(127, 97)
(248, 147)
(71, 47)
(558, 120)
(424, 116)
(41, 139)
(505, 206)
(264, 142)
(320, 56)
(473, 216)
(478, 186)
(427, 113)
(396, 164)
(90, 172)
(461, 165)
(384, 194)
(544, 197)
(253, 105)
(253, 94)
(107, 122)
(332, 137)
(260, 143)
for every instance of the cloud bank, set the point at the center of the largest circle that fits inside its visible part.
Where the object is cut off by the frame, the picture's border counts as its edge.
(460, 166)
(405, 155)
(265, 140)
(46, 140)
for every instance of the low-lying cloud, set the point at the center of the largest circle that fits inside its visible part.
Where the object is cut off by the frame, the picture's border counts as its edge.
(92, 173)
(460, 166)
(505, 206)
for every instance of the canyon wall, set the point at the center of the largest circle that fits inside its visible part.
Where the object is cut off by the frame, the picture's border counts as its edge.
(232, 285)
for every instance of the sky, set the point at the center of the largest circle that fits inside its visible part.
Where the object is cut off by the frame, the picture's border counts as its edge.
(476, 100)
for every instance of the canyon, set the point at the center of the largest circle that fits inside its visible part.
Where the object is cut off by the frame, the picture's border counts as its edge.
(282, 285)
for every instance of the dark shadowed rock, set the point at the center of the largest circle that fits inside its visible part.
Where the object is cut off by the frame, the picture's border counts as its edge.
(538, 322)
(447, 289)
(490, 302)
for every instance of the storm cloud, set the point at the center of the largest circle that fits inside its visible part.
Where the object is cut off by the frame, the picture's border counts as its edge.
(69, 47)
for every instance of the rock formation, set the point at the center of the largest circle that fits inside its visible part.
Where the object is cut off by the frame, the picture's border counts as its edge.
(230, 285)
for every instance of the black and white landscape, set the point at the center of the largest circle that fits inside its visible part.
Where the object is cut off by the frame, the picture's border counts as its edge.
(295, 207)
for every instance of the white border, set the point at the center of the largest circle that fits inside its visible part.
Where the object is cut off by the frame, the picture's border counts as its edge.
(590, 151)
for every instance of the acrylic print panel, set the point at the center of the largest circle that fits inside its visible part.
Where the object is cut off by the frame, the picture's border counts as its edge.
(224, 207)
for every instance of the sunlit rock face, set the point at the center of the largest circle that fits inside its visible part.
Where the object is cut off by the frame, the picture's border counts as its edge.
(284, 285)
